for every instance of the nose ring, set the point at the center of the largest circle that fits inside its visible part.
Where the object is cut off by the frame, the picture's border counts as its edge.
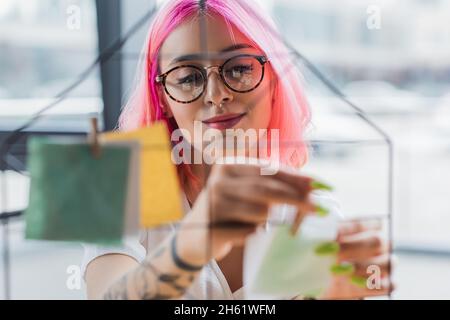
(220, 105)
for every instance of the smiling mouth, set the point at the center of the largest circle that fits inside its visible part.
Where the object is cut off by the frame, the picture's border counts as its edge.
(225, 121)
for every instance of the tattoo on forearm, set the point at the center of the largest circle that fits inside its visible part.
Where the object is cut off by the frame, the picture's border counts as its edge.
(118, 294)
(147, 282)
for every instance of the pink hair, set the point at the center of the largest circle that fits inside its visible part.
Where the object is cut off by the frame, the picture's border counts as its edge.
(290, 111)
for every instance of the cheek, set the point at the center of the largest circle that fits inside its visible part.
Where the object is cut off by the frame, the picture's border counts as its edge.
(184, 115)
(261, 114)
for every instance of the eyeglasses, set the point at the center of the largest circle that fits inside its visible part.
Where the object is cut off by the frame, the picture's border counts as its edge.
(186, 83)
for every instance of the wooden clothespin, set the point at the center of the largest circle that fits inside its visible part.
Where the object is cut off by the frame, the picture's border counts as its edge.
(93, 138)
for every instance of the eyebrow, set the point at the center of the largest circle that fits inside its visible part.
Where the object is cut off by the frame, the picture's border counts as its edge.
(198, 56)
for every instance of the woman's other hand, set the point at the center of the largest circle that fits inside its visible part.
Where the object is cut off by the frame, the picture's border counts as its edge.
(362, 248)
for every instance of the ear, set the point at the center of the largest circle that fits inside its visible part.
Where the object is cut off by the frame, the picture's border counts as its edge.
(163, 102)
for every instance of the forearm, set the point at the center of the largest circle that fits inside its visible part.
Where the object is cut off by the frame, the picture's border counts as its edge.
(159, 276)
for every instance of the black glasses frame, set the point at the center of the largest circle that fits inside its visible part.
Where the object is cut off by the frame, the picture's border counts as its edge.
(161, 79)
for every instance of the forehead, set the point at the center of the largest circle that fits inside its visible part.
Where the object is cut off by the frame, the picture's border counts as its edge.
(190, 38)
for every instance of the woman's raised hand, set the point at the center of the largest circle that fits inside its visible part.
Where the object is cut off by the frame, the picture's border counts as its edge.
(235, 201)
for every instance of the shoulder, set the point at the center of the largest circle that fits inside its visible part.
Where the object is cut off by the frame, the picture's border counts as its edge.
(135, 247)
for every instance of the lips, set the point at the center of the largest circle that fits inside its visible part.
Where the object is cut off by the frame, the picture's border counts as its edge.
(224, 121)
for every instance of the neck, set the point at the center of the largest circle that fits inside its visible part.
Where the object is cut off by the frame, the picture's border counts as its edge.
(201, 172)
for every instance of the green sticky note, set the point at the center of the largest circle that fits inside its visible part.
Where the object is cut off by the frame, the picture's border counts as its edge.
(74, 196)
(291, 267)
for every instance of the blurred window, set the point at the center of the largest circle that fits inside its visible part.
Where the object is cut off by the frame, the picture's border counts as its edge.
(45, 45)
(399, 73)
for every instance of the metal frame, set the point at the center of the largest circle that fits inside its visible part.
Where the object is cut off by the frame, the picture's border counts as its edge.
(109, 30)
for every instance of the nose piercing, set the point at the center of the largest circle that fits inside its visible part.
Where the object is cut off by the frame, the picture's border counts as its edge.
(220, 105)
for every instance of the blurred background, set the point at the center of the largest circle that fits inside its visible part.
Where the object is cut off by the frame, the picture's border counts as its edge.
(391, 58)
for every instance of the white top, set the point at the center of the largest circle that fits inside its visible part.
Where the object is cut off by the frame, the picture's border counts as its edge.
(211, 284)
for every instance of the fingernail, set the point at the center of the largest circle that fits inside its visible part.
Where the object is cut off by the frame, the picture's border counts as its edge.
(343, 269)
(321, 211)
(359, 281)
(319, 185)
(327, 248)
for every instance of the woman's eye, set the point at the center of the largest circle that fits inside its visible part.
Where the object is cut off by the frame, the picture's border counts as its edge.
(238, 70)
(192, 78)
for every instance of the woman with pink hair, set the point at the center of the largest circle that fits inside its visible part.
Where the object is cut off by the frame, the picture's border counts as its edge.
(218, 65)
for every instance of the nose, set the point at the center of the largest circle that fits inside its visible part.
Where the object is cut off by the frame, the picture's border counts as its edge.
(216, 91)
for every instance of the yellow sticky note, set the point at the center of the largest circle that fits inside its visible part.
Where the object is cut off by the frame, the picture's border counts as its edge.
(160, 200)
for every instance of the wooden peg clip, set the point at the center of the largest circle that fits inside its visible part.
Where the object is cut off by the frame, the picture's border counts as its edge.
(93, 138)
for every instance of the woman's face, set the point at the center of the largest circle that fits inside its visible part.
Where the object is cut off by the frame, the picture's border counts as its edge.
(250, 110)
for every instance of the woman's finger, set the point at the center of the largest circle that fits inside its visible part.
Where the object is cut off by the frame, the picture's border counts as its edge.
(301, 183)
(365, 287)
(360, 248)
(345, 287)
(381, 265)
(353, 227)
(231, 209)
(302, 211)
(262, 190)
